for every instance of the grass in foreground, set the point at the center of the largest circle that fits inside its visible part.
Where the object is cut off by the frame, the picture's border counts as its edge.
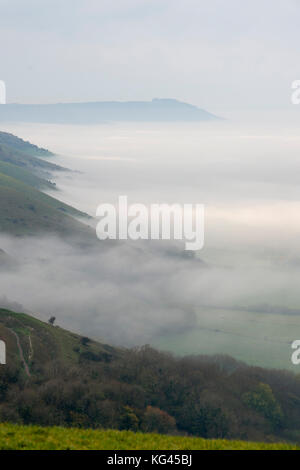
(13, 437)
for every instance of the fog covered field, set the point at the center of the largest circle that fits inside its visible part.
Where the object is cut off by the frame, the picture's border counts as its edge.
(239, 295)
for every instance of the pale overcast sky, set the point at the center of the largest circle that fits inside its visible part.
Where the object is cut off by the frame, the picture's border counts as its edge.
(211, 53)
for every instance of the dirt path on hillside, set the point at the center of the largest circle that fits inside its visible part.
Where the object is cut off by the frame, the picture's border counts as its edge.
(21, 353)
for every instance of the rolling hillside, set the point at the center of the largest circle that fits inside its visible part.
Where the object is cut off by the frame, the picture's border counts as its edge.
(21, 145)
(42, 342)
(24, 209)
(25, 176)
(54, 377)
(36, 165)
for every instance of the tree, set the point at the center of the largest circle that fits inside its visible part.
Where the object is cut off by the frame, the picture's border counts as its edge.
(128, 419)
(85, 340)
(156, 420)
(51, 320)
(262, 400)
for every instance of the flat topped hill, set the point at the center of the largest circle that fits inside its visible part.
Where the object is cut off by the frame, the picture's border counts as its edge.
(159, 110)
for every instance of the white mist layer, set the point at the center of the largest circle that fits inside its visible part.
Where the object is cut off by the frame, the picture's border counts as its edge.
(247, 177)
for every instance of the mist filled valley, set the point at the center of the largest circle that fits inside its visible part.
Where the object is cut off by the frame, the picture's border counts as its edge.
(239, 295)
(149, 228)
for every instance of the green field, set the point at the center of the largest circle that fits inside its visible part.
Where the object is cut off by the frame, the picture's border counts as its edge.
(13, 437)
(257, 338)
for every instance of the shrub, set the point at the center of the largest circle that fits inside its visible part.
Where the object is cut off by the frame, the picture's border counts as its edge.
(262, 400)
(156, 420)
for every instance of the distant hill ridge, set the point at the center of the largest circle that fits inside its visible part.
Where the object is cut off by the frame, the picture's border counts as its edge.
(159, 110)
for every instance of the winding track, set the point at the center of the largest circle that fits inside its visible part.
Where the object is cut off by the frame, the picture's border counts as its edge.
(21, 353)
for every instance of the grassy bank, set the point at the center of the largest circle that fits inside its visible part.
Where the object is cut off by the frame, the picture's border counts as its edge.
(56, 438)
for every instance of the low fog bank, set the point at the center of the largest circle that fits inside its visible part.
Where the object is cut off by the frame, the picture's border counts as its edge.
(130, 293)
(121, 293)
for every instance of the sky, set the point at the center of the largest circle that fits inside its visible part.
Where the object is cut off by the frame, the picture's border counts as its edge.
(213, 54)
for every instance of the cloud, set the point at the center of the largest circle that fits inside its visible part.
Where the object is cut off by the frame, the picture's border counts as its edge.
(118, 294)
(133, 293)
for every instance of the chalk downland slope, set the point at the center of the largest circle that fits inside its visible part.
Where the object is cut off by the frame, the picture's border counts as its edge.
(11, 140)
(42, 342)
(24, 209)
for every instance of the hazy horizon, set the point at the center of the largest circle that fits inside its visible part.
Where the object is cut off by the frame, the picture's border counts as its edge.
(214, 55)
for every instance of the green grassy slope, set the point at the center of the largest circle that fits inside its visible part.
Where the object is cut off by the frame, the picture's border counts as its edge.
(29, 162)
(38, 438)
(11, 140)
(42, 342)
(25, 176)
(54, 377)
(35, 195)
(26, 211)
